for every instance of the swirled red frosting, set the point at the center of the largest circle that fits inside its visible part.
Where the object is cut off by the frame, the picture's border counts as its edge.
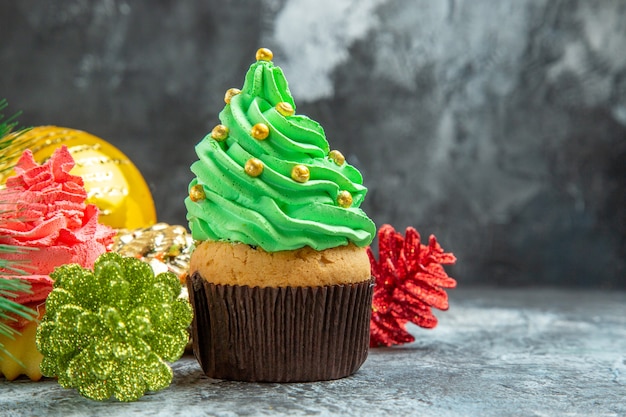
(43, 214)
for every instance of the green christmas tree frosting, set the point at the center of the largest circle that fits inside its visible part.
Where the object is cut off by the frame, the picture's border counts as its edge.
(267, 177)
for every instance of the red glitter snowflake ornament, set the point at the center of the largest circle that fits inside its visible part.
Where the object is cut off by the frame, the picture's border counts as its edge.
(409, 281)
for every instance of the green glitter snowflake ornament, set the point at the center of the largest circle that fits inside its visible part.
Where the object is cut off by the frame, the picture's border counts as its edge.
(110, 331)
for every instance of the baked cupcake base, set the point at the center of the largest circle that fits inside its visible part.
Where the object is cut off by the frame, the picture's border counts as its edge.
(280, 334)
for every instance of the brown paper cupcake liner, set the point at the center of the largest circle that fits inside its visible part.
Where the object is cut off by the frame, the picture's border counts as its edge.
(284, 334)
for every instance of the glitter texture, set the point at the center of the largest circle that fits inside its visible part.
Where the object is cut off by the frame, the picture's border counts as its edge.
(409, 281)
(109, 332)
(167, 244)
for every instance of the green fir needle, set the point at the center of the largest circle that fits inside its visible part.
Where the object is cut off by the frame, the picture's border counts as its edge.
(10, 286)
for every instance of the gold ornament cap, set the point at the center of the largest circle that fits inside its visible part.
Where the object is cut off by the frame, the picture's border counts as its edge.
(264, 54)
(344, 199)
(285, 108)
(254, 167)
(220, 133)
(196, 193)
(230, 93)
(300, 173)
(260, 131)
(337, 157)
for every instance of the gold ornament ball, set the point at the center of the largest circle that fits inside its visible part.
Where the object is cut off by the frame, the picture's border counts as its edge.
(300, 173)
(254, 167)
(285, 108)
(230, 93)
(196, 193)
(337, 157)
(344, 199)
(113, 183)
(260, 131)
(220, 133)
(264, 54)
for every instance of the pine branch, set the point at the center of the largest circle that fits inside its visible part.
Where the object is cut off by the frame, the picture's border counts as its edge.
(6, 123)
(12, 267)
(10, 311)
(9, 288)
(12, 141)
(11, 146)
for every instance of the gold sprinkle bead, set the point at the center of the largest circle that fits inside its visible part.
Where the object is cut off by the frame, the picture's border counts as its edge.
(344, 199)
(300, 173)
(285, 108)
(230, 93)
(264, 54)
(254, 167)
(337, 157)
(220, 133)
(196, 193)
(260, 131)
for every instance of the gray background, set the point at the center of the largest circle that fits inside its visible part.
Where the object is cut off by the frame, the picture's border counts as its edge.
(498, 125)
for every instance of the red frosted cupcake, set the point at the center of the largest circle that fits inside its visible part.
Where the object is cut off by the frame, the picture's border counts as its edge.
(43, 212)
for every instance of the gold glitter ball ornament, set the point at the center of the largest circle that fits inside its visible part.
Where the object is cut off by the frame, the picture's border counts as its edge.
(260, 131)
(230, 93)
(337, 157)
(220, 133)
(254, 167)
(300, 173)
(264, 54)
(285, 108)
(196, 193)
(113, 183)
(344, 199)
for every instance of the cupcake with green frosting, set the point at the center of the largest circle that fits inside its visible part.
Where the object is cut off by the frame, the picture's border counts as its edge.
(279, 279)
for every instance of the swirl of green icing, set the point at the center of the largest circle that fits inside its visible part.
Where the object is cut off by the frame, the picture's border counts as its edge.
(272, 209)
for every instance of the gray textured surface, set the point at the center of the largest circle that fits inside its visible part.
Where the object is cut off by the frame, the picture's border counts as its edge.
(497, 125)
(495, 353)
